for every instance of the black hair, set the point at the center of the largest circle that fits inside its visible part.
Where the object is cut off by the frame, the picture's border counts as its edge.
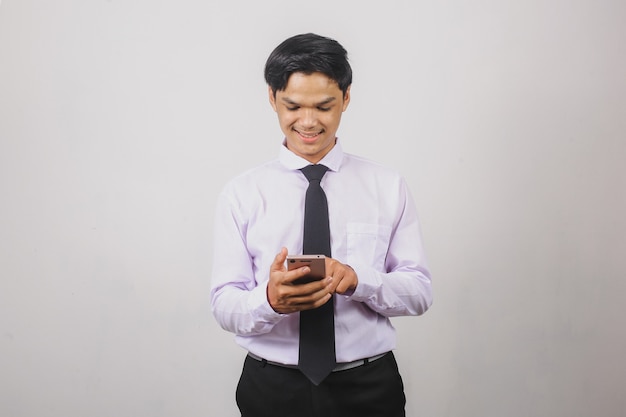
(308, 53)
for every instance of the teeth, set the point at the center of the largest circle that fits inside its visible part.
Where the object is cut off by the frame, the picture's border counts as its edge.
(308, 135)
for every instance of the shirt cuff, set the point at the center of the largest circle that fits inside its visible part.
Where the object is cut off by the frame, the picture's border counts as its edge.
(368, 283)
(260, 307)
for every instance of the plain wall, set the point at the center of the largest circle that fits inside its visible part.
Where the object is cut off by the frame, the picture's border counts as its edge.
(120, 121)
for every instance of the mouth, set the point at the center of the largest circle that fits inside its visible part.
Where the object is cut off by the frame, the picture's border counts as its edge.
(308, 136)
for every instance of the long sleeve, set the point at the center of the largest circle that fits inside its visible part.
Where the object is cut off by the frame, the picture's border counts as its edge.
(239, 304)
(403, 287)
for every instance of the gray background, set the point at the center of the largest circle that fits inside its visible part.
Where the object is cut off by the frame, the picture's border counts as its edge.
(121, 120)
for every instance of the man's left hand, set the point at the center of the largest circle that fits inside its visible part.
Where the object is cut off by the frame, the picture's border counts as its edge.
(345, 279)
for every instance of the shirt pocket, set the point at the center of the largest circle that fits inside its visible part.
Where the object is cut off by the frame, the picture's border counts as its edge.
(368, 244)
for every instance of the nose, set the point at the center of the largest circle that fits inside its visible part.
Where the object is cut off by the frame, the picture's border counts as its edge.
(308, 118)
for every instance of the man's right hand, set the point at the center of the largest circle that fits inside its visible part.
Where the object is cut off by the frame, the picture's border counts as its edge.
(286, 297)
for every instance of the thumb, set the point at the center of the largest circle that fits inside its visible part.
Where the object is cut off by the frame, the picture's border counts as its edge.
(279, 260)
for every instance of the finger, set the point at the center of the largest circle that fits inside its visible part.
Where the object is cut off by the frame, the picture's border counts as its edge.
(309, 293)
(335, 277)
(347, 283)
(308, 303)
(293, 308)
(279, 260)
(283, 294)
(295, 303)
(322, 301)
(342, 287)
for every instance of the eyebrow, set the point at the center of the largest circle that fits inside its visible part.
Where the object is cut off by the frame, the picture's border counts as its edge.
(321, 103)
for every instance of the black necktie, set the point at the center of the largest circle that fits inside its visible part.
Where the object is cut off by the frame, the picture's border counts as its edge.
(317, 326)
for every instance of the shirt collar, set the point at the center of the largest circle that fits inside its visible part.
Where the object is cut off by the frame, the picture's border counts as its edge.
(292, 161)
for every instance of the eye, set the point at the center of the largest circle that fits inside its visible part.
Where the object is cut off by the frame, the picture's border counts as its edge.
(323, 108)
(293, 108)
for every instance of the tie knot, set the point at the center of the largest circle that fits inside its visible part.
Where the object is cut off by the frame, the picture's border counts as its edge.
(314, 172)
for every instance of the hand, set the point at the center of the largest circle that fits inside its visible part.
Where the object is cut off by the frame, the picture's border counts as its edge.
(344, 279)
(286, 297)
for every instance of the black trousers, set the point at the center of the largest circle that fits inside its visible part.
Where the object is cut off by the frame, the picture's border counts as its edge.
(371, 390)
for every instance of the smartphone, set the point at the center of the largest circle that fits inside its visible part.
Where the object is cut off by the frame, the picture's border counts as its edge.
(317, 263)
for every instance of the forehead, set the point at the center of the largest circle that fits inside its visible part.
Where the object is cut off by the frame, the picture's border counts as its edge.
(315, 86)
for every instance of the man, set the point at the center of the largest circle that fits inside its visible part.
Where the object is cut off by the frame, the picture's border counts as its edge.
(375, 265)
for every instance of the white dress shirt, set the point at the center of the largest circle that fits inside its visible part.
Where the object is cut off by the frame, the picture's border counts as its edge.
(373, 228)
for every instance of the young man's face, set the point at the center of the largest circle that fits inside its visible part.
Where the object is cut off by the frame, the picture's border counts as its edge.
(309, 111)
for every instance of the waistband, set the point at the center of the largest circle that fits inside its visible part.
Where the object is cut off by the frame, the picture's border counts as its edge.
(344, 366)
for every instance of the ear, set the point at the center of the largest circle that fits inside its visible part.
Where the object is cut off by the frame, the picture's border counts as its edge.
(272, 97)
(346, 98)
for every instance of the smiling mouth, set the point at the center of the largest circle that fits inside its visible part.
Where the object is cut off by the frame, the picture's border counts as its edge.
(308, 135)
